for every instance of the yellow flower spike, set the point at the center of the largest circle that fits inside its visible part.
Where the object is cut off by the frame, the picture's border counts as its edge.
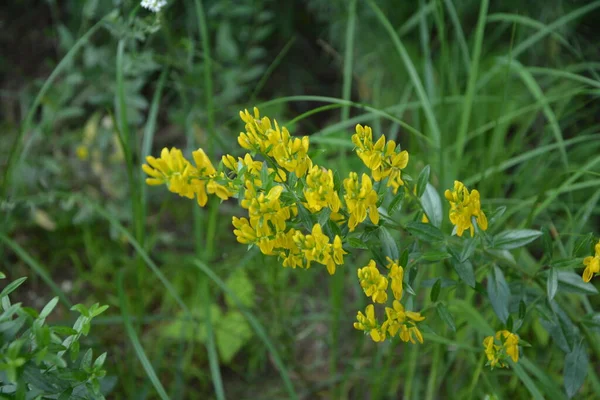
(592, 264)
(359, 198)
(338, 251)
(373, 283)
(203, 164)
(316, 247)
(499, 347)
(399, 320)
(319, 190)
(396, 276)
(463, 206)
(368, 322)
(171, 169)
(380, 157)
(510, 343)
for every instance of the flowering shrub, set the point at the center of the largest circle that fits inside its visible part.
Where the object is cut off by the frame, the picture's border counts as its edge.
(306, 214)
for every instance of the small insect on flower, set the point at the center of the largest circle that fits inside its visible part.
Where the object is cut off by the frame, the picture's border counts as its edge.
(153, 5)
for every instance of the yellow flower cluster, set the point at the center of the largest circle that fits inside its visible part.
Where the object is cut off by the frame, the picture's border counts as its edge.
(359, 198)
(464, 206)
(380, 157)
(266, 191)
(181, 177)
(497, 349)
(398, 321)
(592, 264)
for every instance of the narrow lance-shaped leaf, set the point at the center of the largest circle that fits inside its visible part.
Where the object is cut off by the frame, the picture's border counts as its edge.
(513, 239)
(422, 180)
(576, 367)
(552, 283)
(432, 205)
(446, 316)
(499, 293)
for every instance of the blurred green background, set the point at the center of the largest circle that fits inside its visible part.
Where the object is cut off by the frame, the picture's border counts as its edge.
(507, 97)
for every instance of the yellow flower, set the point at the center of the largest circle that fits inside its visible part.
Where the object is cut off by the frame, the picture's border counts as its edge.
(463, 206)
(319, 190)
(399, 320)
(497, 348)
(396, 275)
(266, 208)
(290, 153)
(380, 157)
(255, 138)
(373, 283)
(592, 264)
(368, 323)
(316, 247)
(83, 152)
(360, 197)
(173, 170)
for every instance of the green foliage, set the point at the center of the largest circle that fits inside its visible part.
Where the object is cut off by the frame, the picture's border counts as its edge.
(504, 101)
(38, 359)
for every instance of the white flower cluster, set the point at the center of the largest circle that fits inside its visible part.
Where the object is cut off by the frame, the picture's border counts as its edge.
(154, 5)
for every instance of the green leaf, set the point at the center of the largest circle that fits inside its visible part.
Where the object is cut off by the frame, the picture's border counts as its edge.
(324, 216)
(425, 232)
(435, 290)
(513, 239)
(239, 283)
(49, 307)
(99, 362)
(571, 282)
(396, 203)
(446, 316)
(388, 244)
(305, 217)
(547, 242)
(2, 276)
(232, 333)
(422, 180)
(522, 309)
(576, 368)
(81, 309)
(496, 214)
(499, 293)
(11, 287)
(567, 263)
(97, 310)
(435, 255)
(404, 258)
(468, 249)
(356, 243)
(552, 283)
(86, 360)
(465, 272)
(432, 205)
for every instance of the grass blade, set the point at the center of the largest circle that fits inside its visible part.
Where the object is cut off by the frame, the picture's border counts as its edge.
(135, 341)
(37, 268)
(472, 84)
(348, 58)
(416, 81)
(213, 357)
